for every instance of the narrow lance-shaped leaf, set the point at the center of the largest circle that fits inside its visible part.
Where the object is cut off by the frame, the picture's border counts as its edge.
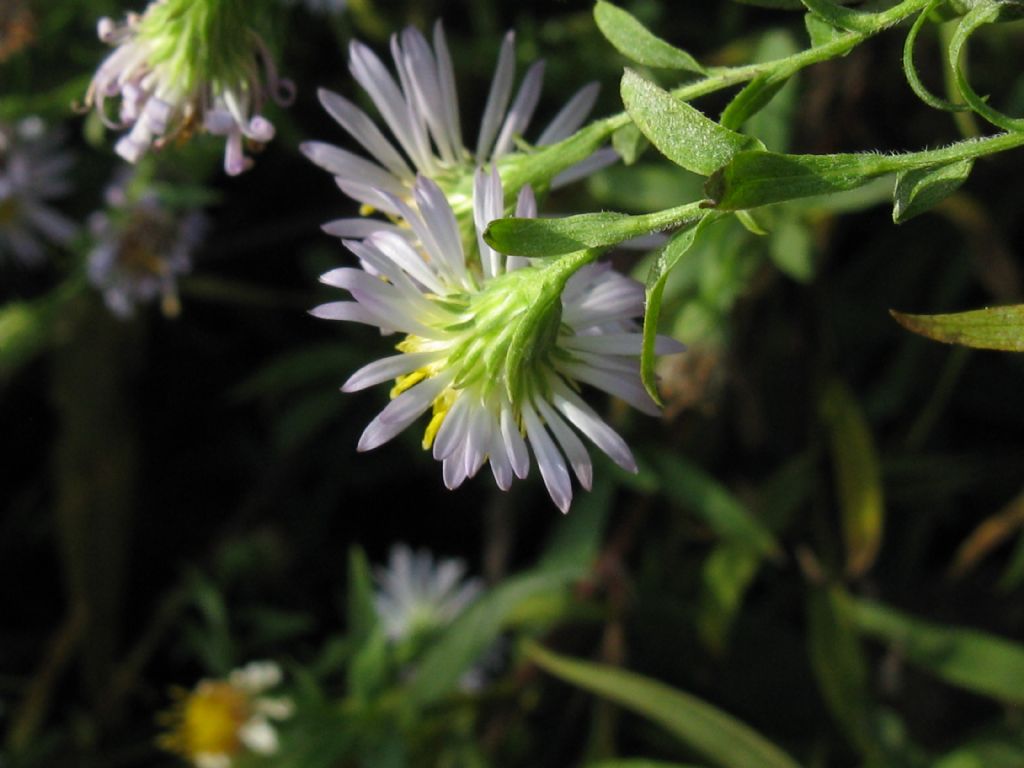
(1000, 328)
(966, 658)
(470, 634)
(703, 495)
(554, 237)
(839, 664)
(667, 259)
(858, 476)
(634, 41)
(720, 738)
(725, 577)
(682, 133)
(749, 101)
(921, 189)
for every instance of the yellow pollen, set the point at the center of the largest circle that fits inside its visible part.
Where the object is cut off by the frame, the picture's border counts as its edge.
(207, 722)
(442, 404)
(366, 210)
(403, 383)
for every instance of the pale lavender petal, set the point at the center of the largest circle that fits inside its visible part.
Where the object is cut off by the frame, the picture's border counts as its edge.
(515, 446)
(623, 386)
(351, 167)
(365, 131)
(586, 420)
(549, 460)
(522, 109)
(571, 445)
(452, 432)
(498, 97)
(401, 412)
(386, 369)
(359, 228)
(446, 76)
(602, 158)
(571, 116)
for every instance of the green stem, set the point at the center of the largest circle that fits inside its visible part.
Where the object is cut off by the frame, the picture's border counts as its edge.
(560, 156)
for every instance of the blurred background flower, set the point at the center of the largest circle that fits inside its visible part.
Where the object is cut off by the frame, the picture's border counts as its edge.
(34, 171)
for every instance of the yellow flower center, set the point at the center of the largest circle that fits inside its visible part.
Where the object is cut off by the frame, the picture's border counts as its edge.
(208, 721)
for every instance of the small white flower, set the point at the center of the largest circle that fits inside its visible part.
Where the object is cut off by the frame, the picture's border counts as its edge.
(417, 593)
(422, 113)
(220, 720)
(33, 171)
(169, 91)
(496, 349)
(141, 248)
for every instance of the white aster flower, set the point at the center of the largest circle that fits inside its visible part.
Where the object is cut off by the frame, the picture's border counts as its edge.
(33, 171)
(497, 351)
(185, 66)
(417, 593)
(422, 113)
(142, 246)
(220, 720)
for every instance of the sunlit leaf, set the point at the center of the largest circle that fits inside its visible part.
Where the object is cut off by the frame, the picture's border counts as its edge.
(680, 132)
(704, 728)
(967, 658)
(1000, 328)
(634, 41)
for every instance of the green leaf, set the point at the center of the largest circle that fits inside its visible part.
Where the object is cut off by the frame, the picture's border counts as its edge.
(839, 665)
(632, 762)
(984, 754)
(820, 31)
(792, 250)
(1000, 328)
(966, 658)
(26, 327)
(702, 727)
(629, 143)
(682, 133)
(751, 100)
(666, 261)
(359, 609)
(634, 41)
(752, 179)
(858, 476)
(699, 492)
(473, 632)
(726, 575)
(576, 540)
(555, 237)
(844, 18)
(920, 189)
